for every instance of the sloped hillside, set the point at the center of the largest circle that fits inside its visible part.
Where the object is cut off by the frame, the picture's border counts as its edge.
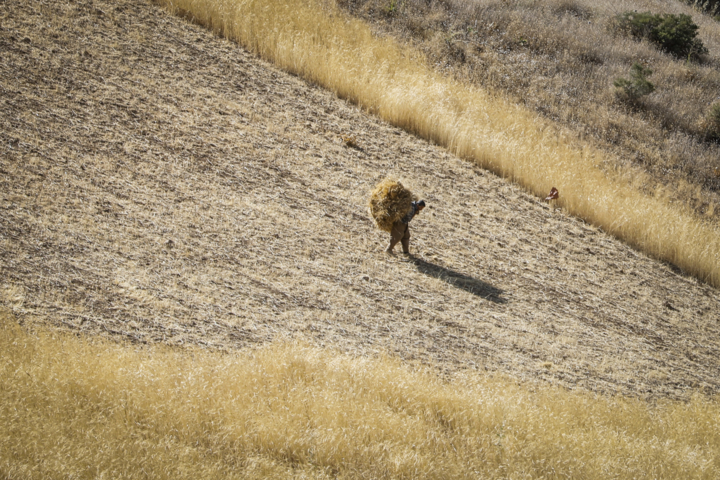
(162, 185)
(561, 58)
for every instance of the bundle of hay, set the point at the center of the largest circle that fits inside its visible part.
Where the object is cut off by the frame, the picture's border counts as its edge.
(389, 202)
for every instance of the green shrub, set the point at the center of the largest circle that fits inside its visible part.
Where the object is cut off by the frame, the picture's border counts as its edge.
(713, 121)
(714, 115)
(638, 86)
(639, 25)
(674, 34)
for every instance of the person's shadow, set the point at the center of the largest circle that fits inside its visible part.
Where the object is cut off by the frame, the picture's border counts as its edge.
(461, 281)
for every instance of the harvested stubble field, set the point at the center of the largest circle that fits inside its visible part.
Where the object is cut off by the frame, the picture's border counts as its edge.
(162, 185)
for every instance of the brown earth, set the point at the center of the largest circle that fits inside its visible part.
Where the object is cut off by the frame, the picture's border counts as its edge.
(163, 185)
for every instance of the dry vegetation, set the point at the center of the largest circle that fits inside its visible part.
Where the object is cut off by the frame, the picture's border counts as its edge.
(70, 409)
(163, 186)
(168, 187)
(560, 58)
(344, 56)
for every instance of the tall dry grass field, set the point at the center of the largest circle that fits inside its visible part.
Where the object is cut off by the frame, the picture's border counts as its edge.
(77, 409)
(315, 40)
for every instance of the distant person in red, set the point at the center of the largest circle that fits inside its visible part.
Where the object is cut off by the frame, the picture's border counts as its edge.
(401, 230)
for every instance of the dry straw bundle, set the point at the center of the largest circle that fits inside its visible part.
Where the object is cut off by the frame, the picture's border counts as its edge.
(389, 202)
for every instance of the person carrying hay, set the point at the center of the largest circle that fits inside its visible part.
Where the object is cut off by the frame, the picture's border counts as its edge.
(401, 229)
(393, 207)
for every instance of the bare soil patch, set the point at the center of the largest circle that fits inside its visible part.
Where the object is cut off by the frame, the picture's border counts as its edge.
(163, 185)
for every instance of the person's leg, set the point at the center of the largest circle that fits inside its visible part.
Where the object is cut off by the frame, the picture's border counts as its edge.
(396, 234)
(406, 239)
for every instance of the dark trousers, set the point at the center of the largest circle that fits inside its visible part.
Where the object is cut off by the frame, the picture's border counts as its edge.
(400, 233)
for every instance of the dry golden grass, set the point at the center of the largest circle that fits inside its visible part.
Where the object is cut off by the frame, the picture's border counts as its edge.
(324, 46)
(77, 409)
(560, 58)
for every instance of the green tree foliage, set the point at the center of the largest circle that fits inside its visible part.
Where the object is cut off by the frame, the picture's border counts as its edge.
(638, 86)
(674, 34)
